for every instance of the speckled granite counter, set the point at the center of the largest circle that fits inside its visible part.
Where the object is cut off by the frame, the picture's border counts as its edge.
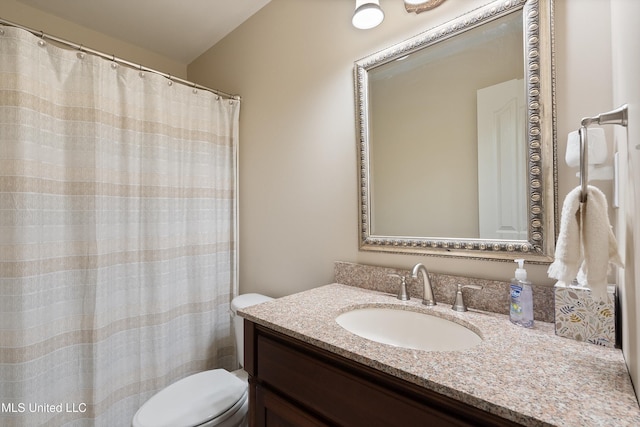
(530, 376)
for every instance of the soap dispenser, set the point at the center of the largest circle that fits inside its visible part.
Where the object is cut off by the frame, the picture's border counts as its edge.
(521, 298)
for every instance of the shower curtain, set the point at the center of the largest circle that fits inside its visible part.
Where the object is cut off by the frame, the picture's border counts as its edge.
(117, 234)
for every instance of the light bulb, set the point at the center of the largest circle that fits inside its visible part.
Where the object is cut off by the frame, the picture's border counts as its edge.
(368, 14)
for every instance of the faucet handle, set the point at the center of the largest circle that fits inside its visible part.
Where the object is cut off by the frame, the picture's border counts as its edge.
(402, 292)
(458, 303)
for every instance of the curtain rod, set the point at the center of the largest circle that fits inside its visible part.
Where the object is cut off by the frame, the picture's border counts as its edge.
(114, 58)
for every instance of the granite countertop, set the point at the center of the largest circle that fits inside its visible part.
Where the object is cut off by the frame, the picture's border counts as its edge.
(530, 376)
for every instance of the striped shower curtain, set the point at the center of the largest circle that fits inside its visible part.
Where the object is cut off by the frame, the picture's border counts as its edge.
(117, 234)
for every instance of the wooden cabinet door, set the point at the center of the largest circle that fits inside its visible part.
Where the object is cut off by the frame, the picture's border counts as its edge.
(273, 411)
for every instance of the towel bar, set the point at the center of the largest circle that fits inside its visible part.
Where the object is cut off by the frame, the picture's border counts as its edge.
(613, 117)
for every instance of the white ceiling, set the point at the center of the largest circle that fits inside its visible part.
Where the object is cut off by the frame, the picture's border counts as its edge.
(178, 29)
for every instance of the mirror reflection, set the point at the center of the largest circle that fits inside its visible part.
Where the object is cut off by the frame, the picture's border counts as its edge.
(455, 131)
(447, 127)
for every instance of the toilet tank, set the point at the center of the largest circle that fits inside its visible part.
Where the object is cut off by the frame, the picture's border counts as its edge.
(238, 303)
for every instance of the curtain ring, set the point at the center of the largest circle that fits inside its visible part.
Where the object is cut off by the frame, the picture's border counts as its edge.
(81, 53)
(170, 83)
(41, 42)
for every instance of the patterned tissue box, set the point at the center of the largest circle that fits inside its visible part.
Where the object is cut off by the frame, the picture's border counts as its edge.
(581, 318)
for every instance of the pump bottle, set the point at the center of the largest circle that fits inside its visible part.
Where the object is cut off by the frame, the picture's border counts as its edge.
(521, 298)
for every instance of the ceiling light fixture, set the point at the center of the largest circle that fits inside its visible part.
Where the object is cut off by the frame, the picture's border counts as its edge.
(368, 14)
(418, 6)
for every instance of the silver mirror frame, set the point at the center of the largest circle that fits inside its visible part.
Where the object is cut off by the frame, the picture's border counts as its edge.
(541, 137)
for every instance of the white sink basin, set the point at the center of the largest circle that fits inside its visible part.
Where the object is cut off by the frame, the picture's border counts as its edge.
(409, 329)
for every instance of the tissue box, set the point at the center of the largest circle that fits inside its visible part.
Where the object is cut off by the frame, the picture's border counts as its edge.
(581, 318)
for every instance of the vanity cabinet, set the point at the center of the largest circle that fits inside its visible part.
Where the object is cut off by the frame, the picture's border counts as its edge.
(293, 383)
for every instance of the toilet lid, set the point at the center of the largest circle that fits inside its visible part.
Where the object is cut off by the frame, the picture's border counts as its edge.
(247, 300)
(192, 400)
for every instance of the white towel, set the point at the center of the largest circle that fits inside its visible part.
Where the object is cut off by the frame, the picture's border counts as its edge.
(586, 244)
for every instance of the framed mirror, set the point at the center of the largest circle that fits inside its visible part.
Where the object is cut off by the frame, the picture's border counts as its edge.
(456, 138)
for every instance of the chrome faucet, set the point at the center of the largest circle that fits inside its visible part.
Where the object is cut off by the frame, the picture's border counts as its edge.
(428, 298)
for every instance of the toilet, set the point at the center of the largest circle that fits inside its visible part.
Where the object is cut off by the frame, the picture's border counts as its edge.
(212, 398)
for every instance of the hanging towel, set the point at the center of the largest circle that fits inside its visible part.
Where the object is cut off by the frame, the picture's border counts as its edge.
(586, 244)
(568, 247)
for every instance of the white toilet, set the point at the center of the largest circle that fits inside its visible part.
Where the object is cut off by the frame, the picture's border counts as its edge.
(212, 398)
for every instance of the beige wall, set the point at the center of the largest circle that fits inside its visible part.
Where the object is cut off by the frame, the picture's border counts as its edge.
(292, 63)
(626, 90)
(27, 16)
